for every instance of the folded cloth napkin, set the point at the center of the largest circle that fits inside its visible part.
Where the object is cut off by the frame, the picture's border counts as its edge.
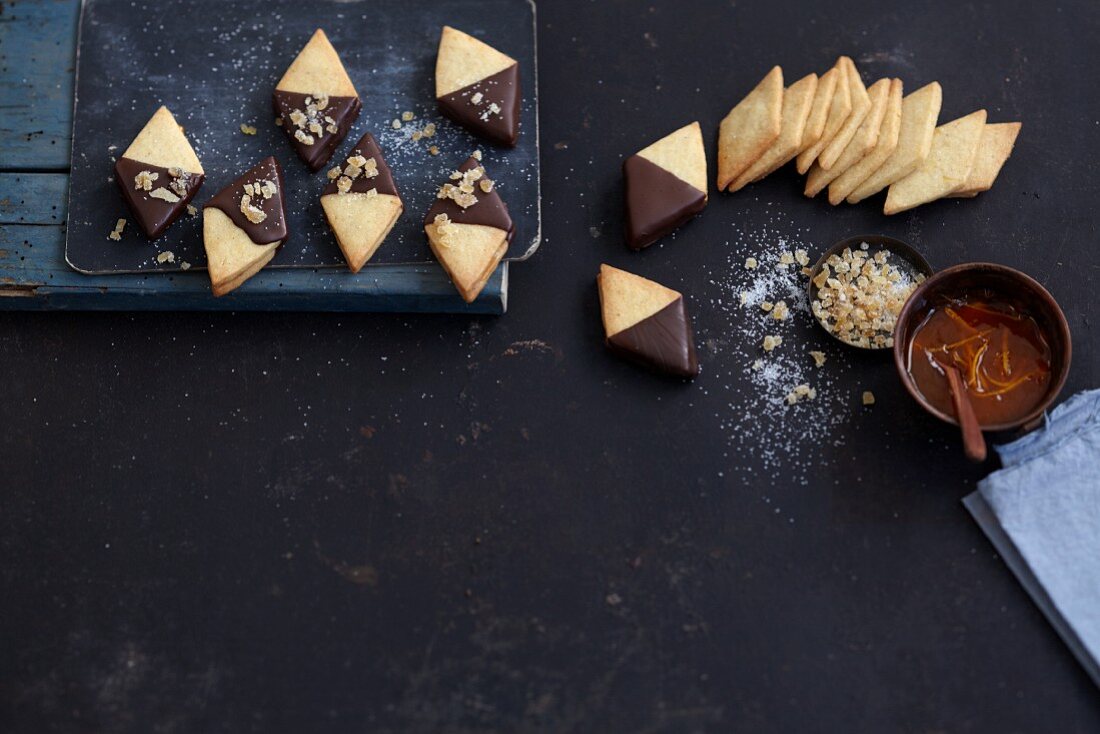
(1042, 512)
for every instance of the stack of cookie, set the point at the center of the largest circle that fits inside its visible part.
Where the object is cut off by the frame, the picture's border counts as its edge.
(857, 141)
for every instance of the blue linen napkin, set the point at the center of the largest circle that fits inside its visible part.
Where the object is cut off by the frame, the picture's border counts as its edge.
(1042, 512)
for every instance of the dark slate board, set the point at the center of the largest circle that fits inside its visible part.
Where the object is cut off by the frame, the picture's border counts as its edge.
(215, 63)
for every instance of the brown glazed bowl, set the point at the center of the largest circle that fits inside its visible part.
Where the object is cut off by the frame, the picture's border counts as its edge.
(1016, 287)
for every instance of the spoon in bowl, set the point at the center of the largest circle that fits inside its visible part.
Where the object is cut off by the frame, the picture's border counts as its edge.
(973, 441)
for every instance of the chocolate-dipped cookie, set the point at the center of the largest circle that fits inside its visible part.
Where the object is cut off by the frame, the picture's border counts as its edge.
(243, 225)
(469, 228)
(666, 185)
(478, 87)
(315, 102)
(646, 323)
(361, 202)
(159, 173)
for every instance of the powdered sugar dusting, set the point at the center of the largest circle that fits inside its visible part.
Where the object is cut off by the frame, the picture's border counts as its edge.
(788, 417)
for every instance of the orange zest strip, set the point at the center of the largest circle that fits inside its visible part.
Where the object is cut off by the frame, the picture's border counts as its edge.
(961, 321)
(1007, 388)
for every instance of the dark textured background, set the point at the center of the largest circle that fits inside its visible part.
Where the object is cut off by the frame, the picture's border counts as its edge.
(377, 523)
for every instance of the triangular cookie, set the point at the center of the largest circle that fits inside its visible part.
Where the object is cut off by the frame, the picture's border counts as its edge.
(840, 107)
(945, 170)
(316, 101)
(243, 225)
(919, 112)
(646, 322)
(797, 100)
(750, 128)
(856, 173)
(478, 87)
(995, 147)
(865, 139)
(361, 202)
(819, 109)
(469, 228)
(159, 173)
(665, 185)
(861, 105)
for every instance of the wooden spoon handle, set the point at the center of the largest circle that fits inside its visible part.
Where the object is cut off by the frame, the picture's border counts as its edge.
(973, 440)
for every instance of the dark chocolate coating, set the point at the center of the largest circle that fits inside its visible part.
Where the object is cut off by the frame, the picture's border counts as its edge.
(501, 88)
(657, 201)
(344, 110)
(663, 342)
(272, 229)
(490, 210)
(382, 183)
(153, 215)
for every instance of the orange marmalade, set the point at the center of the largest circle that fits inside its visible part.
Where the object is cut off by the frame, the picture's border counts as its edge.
(1000, 351)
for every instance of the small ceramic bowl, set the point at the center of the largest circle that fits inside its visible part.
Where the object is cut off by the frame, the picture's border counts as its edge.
(1015, 287)
(902, 255)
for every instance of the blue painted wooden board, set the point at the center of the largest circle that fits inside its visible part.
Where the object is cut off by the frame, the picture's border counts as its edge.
(36, 124)
(34, 275)
(37, 39)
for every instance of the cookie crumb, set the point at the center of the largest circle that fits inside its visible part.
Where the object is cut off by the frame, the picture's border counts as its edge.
(252, 213)
(248, 129)
(116, 233)
(164, 195)
(181, 179)
(462, 193)
(444, 227)
(144, 180)
(801, 392)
